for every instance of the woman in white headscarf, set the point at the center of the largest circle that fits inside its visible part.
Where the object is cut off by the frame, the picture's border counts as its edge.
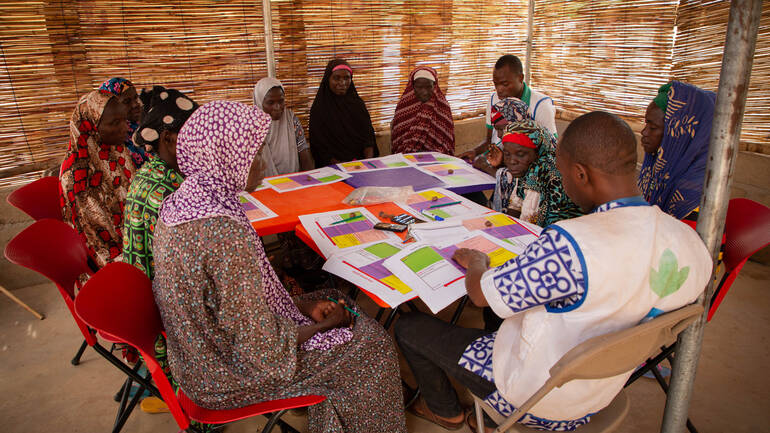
(285, 150)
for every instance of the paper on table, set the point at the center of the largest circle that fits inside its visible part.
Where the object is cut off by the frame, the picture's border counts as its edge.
(422, 158)
(363, 266)
(336, 230)
(428, 205)
(498, 225)
(458, 174)
(305, 179)
(430, 271)
(385, 162)
(255, 209)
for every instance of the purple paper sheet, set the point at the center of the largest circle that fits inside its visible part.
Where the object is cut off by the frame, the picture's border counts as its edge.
(402, 176)
(376, 270)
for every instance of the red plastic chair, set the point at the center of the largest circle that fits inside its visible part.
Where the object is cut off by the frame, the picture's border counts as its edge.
(38, 199)
(118, 299)
(55, 250)
(747, 230)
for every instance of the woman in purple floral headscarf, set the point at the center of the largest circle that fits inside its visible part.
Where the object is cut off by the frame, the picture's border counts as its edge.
(234, 335)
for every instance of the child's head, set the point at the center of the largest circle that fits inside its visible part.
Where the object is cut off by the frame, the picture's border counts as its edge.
(596, 157)
(508, 77)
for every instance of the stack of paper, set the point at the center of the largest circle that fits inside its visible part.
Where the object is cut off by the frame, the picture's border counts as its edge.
(337, 230)
(305, 179)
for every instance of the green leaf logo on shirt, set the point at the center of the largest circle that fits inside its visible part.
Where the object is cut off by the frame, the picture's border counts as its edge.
(668, 278)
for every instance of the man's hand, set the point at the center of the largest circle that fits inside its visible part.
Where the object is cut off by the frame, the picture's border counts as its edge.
(466, 256)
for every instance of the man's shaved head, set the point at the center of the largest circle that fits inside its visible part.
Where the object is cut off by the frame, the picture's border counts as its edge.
(602, 141)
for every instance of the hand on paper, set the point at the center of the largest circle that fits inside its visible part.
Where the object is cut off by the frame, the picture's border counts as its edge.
(466, 256)
(468, 156)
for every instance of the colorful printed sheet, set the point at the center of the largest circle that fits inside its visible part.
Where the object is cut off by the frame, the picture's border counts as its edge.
(517, 233)
(457, 174)
(422, 158)
(305, 179)
(364, 267)
(438, 204)
(337, 230)
(255, 209)
(390, 161)
(430, 271)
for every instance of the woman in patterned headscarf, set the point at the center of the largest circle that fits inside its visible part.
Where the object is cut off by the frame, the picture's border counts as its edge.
(95, 175)
(423, 120)
(127, 95)
(234, 335)
(530, 174)
(675, 141)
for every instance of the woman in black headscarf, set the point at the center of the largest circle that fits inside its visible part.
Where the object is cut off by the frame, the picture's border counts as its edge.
(340, 127)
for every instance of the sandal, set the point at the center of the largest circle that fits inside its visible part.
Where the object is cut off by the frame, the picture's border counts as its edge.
(471, 417)
(420, 409)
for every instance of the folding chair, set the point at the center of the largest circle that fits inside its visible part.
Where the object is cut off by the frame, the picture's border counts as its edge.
(55, 250)
(597, 358)
(747, 230)
(118, 300)
(38, 199)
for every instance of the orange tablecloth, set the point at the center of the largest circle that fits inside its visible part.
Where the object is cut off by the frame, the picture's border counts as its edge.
(290, 205)
(388, 208)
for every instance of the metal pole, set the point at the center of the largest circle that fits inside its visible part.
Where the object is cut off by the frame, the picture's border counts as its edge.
(734, 77)
(530, 24)
(269, 49)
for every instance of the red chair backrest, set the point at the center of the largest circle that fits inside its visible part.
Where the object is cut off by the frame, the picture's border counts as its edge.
(55, 250)
(118, 300)
(38, 199)
(747, 230)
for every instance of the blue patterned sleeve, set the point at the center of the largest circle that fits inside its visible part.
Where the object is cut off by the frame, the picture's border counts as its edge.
(550, 272)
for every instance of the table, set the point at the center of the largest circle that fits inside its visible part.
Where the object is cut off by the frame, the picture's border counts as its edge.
(290, 205)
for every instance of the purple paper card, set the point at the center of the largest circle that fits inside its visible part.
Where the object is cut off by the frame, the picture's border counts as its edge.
(421, 206)
(376, 270)
(403, 176)
(305, 180)
(509, 231)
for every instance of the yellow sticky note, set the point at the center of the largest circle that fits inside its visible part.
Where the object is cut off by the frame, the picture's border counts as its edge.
(430, 194)
(499, 220)
(395, 283)
(344, 241)
(279, 180)
(499, 256)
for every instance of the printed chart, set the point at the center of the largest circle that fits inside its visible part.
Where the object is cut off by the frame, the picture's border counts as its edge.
(438, 204)
(336, 230)
(385, 162)
(430, 271)
(517, 233)
(421, 158)
(364, 267)
(255, 209)
(305, 179)
(458, 174)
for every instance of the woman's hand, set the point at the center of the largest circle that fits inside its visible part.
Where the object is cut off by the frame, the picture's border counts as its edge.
(495, 156)
(337, 317)
(316, 310)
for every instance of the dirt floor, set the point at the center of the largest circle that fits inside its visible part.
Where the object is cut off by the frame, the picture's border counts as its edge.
(43, 392)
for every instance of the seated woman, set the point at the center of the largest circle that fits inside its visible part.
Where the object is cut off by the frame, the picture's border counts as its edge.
(423, 119)
(234, 335)
(340, 127)
(127, 95)
(95, 175)
(528, 185)
(285, 149)
(676, 141)
(167, 110)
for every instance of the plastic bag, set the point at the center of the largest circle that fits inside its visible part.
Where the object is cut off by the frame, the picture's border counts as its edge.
(367, 195)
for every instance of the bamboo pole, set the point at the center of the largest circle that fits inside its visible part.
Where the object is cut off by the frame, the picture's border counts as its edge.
(21, 303)
(269, 48)
(530, 25)
(740, 42)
